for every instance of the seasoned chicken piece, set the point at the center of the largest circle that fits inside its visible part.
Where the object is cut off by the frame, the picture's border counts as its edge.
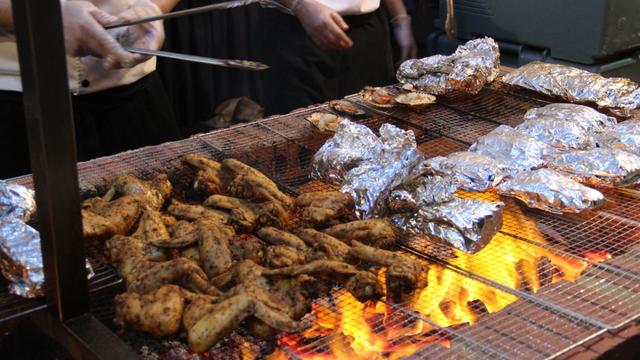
(154, 192)
(273, 213)
(194, 212)
(244, 214)
(192, 253)
(258, 188)
(158, 313)
(363, 285)
(404, 274)
(121, 213)
(96, 226)
(332, 247)
(375, 232)
(277, 256)
(181, 234)
(210, 177)
(323, 207)
(240, 168)
(215, 254)
(280, 237)
(247, 247)
(151, 230)
(143, 276)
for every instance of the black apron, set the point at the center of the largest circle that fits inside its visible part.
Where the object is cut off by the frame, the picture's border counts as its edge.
(106, 122)
(302, 74)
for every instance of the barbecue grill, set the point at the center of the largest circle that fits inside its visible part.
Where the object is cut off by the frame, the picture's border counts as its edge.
(517, 318)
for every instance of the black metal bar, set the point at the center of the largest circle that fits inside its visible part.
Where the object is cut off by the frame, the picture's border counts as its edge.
(50, 129)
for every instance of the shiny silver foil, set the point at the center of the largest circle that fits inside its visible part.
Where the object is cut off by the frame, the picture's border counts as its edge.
(21, 259)
(468, 69)
(624, 136)
(466, 224)
(352, 145)
(474, 171)
(551, 191)
(370, 183)
(16, 201)
(618, 95)
(565, 126)
(514, 149)
(423, 187)
(599, 166)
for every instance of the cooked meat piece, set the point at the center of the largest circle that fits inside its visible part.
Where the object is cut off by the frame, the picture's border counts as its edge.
(244, 214)
(143, 276)
(154, 192)
(375, 232)
(96, 226)
(158, 313)
(273, 213)
(194, 212)
(404, 274)
(258, 188)
(363, 285)
(215, 255)
(247, 247)
(182, 233)
(239, 168)
(245, 271)
(334, 248)
(121, 213)
(210, 178)
(192, 253)
(278, 256)
(152, 230)
(280, 237)
(323, 207)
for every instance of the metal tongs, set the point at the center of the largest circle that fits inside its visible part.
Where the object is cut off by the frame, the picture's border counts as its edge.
(241, 64)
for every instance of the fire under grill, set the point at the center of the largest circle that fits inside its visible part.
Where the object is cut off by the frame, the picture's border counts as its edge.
(545, 285)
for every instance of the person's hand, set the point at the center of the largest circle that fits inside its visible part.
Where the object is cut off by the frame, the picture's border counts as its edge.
(84, 34)
(325, 26)
(404, 37)
(149, 35)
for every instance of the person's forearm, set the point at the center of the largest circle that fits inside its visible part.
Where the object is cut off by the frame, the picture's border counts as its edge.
(6, 16)
(395, 8)
(166, 5)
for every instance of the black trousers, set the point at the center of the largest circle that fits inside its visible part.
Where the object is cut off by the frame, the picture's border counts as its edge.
(106, 122)
(302, 74)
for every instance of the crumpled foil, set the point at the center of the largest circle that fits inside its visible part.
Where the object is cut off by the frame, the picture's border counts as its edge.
(370, 183)
(515, 150)
(352, 145)
(551, 191)
(468, 69)
(16, 201)
(21, 259)
(618, 95)
(474, 171)
(466, 224)
(425, 187)
(624, 136)
(565, 126)
(599, 166)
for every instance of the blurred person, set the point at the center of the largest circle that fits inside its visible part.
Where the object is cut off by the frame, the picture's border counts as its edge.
(331, 48)
(118, 100)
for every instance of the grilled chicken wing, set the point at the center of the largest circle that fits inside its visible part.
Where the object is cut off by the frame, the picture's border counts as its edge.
(96, 226)
(151, 230)
(258, 189)
(210, 178)
(332, 247)
(118, 216)
(374, 232)
(158, 313)
(278, 256)
(154, 192)
(215, 254)
(244, 214)
(194, 212)
(181, 234)
(280, 237)
(323, 207)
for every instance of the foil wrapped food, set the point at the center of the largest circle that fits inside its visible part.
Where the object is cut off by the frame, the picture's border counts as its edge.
(468, 69)
(16, 201)
(424, 187)
(466, 224)
(599, 166)
(548, 190)
(618, 95)
(474, 171)
(624, 136)
(370, 183)
(565, 126)
(514, 149)
(352, 145)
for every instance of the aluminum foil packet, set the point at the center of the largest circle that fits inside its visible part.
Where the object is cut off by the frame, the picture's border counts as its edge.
(468, 69)
(599, 166)
(466, 224)
(426, 186)
(565, 126)
(618, 95)
(514, 149)
(370, 183)
(352, 145)
(624, 136)
(16, 201)
(551, 191)
(21, 259)
(474, 171)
